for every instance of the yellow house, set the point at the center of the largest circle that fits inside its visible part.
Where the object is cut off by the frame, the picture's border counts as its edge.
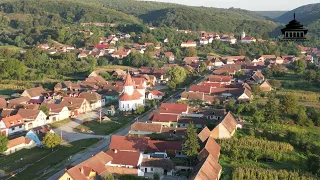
(166, 120)
(88, 169)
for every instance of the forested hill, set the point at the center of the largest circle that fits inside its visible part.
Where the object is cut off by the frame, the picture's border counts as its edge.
(54, 12)
(271, 14)
(305, 14)
(193, 18)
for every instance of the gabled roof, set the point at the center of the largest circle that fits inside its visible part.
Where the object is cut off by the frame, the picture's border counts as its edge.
(165, 117)
(56, 108)
(129, 143)
(29, 113)
(200, 88)
(258, 76)
(215, 78)
(211, 148)
(204, 134)
(124, 157)
(126, 97)
(90, 96)
(19, 100)
(173, 108)
(12, 121)
(157, 93)
(229, 122)
(96, 163)
(208, 169)
(73, 102)
(193, 95)
(34, 92)
(168, 54)
(146, 127)
(163, 146)
(17, 141)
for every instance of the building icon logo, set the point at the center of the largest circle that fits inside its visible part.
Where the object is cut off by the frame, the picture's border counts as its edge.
(294, 31)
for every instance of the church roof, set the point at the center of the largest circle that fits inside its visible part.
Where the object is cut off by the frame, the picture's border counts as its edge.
(136, 95)
(140, 85)
(128, 81)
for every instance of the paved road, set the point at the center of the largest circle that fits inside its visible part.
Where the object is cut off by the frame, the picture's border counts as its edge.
(104, 144)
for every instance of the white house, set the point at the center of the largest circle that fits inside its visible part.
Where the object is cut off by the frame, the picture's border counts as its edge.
(154, 94)
(131, 98)
(12, 124)
(19, 143)
(247, 39)
(246, 95)
(95, 99)
(231, 40)
(57, 112)
(204, 40)
(161, 166)
(189, 43)
(170, 56)
(33, 118)
(121, 158)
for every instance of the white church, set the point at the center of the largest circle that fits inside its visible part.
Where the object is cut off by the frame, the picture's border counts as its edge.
(132, 95)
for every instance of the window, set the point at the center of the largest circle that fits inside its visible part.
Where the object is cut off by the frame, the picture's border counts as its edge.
(151, 169)
(20, 126)
(171, 125)
(12, 129)
(68, 178)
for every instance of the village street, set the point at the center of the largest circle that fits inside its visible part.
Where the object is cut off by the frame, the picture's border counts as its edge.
(69, 135)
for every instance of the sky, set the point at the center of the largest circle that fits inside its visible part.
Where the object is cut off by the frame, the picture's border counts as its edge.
(253, 5)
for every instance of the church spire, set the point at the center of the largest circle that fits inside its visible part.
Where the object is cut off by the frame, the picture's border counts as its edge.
(128, 81)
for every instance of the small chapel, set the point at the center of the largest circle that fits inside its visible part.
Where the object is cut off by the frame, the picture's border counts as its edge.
(132, 96)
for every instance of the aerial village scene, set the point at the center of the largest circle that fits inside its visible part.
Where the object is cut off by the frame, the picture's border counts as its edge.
(89, 91)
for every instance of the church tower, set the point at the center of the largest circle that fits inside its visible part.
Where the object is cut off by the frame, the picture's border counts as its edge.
(243, 35)
(128, 85)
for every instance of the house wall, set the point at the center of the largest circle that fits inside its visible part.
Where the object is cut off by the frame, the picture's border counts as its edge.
(188, 45)
(65, 176)
(167, 124)
(140, 132)
(223, 132)
(40, 120)
(16, 129)
(98, 104)
(14, 149)
(130, 105)
(154, 170)
(243, 97)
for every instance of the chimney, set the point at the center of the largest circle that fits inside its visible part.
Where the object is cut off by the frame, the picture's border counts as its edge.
(115, 151)
(82, 170)
(70, 102)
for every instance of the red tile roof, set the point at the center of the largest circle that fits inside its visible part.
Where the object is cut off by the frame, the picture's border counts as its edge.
(157, 93)
(146, 127)
(215, 78)
(128, 81)
(169, 54)
(124, 157)
(204, 134)
(165, 117)
(172, 108)
(12, 121)
(126, 97)
(17, 141)
(163, 146)
(129, 143)
(200, 88)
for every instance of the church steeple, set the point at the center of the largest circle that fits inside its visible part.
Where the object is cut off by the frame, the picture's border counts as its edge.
(128, 85)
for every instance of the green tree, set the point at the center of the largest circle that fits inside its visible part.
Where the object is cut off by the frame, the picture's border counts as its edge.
(258, 117)
(275, 83)
(299, 66)
(302, 117)
(139, 110)
(313, 163)
(13, 69)
(108, 177)
(255, 88)
(3, 142)
(51, 140)
(311, 75)
(289, 104)
(203, 67)
(45, 109)
(271, 110)
(190, 144)
(176, 76)
(190, 52)
(156, 176)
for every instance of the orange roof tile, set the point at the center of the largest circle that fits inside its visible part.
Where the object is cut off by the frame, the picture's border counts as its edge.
(12, 121)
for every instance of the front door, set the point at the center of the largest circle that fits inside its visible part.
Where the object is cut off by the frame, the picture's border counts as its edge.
(145, 169)
(165, 172)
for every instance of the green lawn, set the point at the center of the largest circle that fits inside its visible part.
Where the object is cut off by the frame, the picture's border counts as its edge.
(105, 127)
(60, 123)
(26, 157)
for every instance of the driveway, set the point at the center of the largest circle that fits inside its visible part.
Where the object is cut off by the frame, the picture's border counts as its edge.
(69, 135)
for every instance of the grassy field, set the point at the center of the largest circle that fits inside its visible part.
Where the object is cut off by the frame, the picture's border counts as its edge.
(39, 160)
(60, 123)
(105, 127)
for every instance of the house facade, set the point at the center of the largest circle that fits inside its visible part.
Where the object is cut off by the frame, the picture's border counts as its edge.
(33, 118)
(12, 124)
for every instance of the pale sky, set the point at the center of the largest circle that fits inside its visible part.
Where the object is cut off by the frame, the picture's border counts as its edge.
(253, 5)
